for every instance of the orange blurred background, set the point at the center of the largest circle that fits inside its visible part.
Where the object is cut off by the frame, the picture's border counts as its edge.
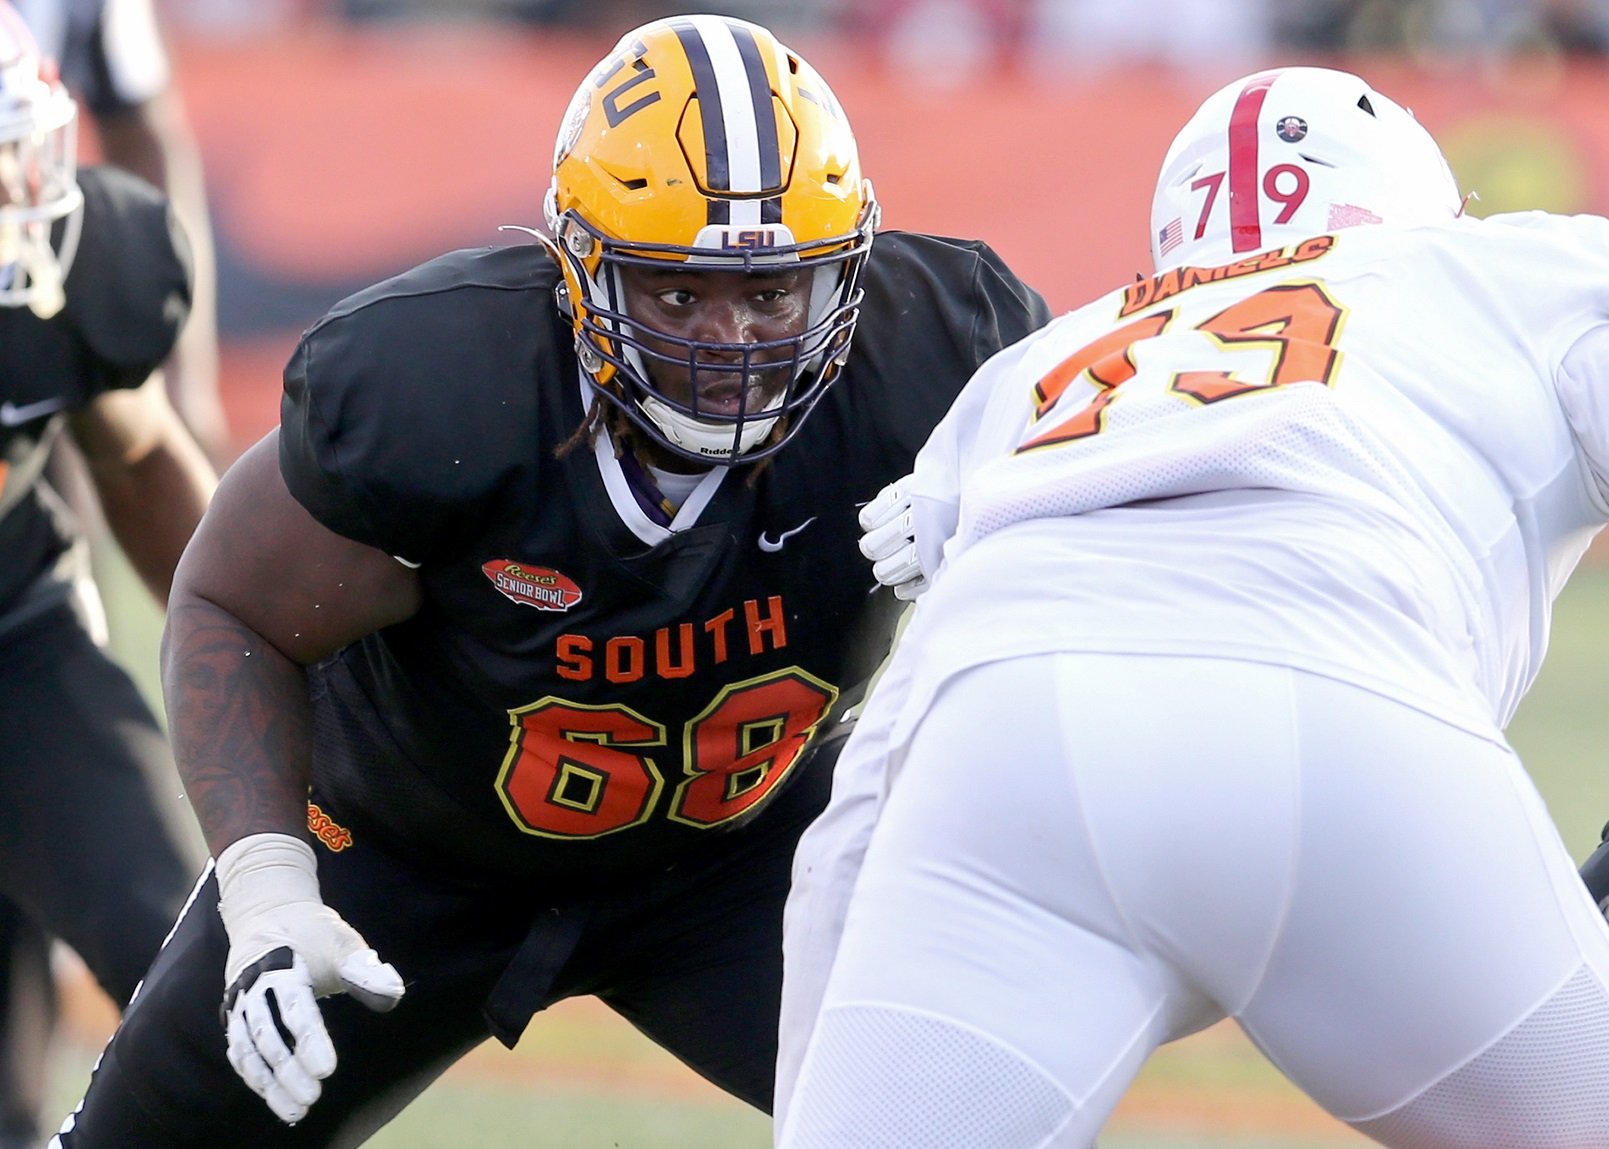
(336, 156)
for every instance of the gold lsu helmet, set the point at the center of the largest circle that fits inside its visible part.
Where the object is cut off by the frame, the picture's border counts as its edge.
(702, 141)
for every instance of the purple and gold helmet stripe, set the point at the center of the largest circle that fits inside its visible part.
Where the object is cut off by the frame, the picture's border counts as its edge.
(765, 124)
(741, 156)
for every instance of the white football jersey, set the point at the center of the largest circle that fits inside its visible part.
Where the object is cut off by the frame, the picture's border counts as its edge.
(1375, 455)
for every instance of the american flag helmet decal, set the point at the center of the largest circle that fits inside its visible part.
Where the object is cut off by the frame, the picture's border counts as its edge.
(1170, 236)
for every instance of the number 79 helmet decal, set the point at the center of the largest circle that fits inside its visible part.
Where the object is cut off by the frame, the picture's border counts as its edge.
(1291, 153)
(701, 142)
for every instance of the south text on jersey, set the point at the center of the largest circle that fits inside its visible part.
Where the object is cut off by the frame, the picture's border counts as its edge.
(678, 651)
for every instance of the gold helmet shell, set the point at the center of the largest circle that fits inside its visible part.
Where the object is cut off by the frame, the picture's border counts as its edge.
(702, 140)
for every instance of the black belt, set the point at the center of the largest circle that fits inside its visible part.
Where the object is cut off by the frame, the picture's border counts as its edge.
(526, 984)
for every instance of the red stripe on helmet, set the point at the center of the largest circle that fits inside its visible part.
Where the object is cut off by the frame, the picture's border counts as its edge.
(1245, 230)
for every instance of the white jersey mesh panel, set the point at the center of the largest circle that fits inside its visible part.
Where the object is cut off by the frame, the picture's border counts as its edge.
(880, 1078)
(1544, 1085)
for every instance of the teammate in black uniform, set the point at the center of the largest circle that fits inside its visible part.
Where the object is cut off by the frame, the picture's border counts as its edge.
(548, 586)
(113, 61)
(83, 851)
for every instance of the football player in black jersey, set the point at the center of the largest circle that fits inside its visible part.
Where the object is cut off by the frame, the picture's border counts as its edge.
(506, 670)
(94, 287)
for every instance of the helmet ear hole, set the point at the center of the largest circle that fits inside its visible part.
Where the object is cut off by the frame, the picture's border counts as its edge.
(1363, 102)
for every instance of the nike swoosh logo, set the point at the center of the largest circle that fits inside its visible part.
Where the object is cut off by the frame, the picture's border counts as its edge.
(12, 415)
(772, 546)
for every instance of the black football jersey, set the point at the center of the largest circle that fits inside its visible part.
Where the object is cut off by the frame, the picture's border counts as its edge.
(583, 691)
(128, 295)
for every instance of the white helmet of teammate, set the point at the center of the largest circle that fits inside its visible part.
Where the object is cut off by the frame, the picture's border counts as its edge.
(1291, 153)
(38, 173)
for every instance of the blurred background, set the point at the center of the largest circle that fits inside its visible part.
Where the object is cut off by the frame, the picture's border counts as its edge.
(345, 140)
(348, 139)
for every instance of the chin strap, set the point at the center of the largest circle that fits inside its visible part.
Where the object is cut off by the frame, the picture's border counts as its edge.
(713, 440)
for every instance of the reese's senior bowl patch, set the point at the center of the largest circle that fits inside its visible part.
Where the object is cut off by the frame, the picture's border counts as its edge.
(541, 587)
(322, 827)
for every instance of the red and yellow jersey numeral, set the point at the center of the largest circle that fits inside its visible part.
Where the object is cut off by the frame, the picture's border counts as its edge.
(570, 771)
(578, 771)
(746, 742)
(1109, 361)
(1299, 322)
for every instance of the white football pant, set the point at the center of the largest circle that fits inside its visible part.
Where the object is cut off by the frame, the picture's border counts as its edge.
(1084, 856)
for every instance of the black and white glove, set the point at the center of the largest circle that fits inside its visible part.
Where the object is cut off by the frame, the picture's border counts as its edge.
(888, 538)
(286, 949)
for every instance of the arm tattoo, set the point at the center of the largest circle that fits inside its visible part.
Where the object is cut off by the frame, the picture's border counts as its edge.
(240, 721)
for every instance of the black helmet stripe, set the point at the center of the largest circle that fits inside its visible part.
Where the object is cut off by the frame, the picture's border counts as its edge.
(704, 86)
(740, 132)
(765, 117)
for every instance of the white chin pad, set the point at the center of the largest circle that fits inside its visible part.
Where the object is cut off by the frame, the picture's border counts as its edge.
(711, 439)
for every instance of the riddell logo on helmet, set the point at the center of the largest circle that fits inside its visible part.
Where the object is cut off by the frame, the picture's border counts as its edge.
(541, 587)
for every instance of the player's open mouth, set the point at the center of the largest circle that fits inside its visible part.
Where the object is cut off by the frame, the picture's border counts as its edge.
(725, 396)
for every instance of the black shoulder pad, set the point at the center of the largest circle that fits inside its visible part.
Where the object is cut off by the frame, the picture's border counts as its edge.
(411, 404)
(128, 291)
(935, 309)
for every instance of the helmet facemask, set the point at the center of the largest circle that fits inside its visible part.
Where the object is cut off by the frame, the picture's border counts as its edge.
(665, 384)
(38, 176)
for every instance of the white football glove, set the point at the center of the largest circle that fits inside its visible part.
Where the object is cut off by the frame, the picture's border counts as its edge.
(889, 539)
(287, 948)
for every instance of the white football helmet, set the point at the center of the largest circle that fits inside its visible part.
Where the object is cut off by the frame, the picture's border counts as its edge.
(1290, 153)
(38, 173)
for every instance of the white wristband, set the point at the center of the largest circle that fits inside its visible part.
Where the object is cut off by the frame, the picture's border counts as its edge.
(262, 872)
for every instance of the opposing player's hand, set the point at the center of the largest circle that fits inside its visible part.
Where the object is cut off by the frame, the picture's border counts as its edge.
(286, 949)
(889, 540)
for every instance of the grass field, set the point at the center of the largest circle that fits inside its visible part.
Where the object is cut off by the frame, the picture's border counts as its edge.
(583, 1079)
